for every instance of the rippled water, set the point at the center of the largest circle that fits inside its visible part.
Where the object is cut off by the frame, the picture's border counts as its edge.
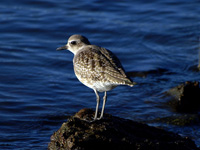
(38, 88)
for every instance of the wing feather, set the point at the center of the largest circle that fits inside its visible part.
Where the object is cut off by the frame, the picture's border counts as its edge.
(100, 64)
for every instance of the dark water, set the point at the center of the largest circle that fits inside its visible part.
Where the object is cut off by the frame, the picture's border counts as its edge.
(38, 88)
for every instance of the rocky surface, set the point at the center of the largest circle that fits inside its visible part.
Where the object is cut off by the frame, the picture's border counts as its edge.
(143, 74)
(79, 133)
(185, 97)
(179, 120)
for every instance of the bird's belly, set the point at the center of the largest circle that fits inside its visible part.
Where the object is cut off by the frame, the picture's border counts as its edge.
(98, 85)
(102, 87)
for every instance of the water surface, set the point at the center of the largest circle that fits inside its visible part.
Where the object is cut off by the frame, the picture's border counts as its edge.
(38, 88)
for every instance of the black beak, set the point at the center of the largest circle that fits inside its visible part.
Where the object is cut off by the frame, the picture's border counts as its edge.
(62, 48)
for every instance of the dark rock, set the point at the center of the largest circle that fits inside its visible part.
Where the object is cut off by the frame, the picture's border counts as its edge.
(186, 97)
(179, 120)
(114, 133)
(198, 67)
(143, 74)
(193, 67)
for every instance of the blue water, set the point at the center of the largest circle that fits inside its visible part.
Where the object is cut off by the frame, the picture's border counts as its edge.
(38, 88)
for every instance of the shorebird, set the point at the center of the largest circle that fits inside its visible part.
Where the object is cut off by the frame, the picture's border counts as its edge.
(96, 67)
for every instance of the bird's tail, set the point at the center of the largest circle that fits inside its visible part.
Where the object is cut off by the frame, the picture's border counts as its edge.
(131, 83)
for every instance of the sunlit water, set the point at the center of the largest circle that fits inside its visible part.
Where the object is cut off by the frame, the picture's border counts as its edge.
(38, 88)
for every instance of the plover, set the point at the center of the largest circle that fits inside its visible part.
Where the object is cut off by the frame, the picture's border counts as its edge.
(96, 67)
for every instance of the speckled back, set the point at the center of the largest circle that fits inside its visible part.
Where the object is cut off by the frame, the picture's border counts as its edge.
(97, 64)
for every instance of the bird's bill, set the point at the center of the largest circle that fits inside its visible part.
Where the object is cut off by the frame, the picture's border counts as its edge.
(62, 48)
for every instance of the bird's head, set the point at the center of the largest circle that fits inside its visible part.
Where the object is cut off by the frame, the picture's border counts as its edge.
(75, 43)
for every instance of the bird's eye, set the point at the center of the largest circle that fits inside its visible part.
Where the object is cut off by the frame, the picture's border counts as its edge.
(73, 42)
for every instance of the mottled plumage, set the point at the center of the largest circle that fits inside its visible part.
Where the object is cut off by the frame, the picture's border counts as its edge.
(96, 67)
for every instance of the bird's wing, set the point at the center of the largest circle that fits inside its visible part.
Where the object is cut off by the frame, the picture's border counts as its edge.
(115, 69)
(100, 64)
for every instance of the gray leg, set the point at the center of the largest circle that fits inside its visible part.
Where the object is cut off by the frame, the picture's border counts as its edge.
(97, 107)
(104, 102)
